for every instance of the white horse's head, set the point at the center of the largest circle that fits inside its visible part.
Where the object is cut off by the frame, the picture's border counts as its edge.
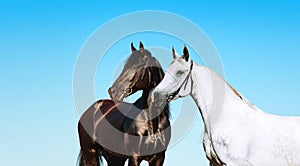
(177, 81)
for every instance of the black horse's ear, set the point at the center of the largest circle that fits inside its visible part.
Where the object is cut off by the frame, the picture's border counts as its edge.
(185, 53)
(132, 47)
(141, 47)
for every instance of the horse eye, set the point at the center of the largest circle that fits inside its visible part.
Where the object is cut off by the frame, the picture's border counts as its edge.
(179, 72)
(128, 90)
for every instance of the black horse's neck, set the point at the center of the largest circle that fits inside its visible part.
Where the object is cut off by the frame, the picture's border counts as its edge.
(157, 116)
(142, 102)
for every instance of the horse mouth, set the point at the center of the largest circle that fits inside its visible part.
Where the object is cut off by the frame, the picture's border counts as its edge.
(110, 92)
(112, 96)
(118, 99)
(159, 102)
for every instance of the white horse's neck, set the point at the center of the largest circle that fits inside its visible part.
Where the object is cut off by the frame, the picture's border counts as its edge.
(212, 95)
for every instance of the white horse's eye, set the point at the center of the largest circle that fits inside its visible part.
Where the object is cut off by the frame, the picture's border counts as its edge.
(178, 73)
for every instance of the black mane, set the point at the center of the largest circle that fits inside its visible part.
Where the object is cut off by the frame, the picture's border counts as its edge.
(156, 68)
(139, 59)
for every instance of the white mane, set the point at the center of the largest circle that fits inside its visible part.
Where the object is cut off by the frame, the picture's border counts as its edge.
(233, 89)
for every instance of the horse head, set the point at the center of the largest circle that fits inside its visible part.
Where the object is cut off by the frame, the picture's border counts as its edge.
(141, 72)
(177, 81)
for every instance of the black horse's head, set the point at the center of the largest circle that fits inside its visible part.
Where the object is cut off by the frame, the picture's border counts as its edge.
(141, 72)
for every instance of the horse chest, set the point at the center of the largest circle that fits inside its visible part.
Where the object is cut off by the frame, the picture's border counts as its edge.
(209, 148)
(221, 148)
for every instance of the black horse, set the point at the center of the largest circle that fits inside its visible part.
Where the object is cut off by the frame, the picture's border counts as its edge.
(119, 131)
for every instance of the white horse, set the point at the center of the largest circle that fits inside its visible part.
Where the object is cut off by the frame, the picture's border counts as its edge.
(236, 132)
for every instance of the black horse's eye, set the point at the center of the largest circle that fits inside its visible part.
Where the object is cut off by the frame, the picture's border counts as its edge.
(128, 90)
(178, 73)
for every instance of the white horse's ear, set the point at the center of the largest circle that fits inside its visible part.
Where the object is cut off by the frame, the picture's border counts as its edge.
(132, 47)
(175, 55)
(141, 47)
(185, 53)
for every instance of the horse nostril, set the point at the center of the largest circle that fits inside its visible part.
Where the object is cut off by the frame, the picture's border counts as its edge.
(109, 91)
(156, 95)
(158, 100)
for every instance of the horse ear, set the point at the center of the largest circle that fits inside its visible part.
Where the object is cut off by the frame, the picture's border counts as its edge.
(132, 47)
(141, 47)
(185, 53)
(175, 55)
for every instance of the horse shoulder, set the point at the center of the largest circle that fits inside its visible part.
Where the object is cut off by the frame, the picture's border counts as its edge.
(231, 139)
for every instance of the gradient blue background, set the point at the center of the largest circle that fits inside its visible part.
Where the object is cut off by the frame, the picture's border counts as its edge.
(258, 42)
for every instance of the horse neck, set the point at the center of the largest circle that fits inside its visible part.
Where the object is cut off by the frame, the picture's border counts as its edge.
(142, 102)
(210, 93)
(160, 116)
(157, 117)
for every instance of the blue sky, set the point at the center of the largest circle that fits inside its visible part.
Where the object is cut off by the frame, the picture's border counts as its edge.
(258, 42)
